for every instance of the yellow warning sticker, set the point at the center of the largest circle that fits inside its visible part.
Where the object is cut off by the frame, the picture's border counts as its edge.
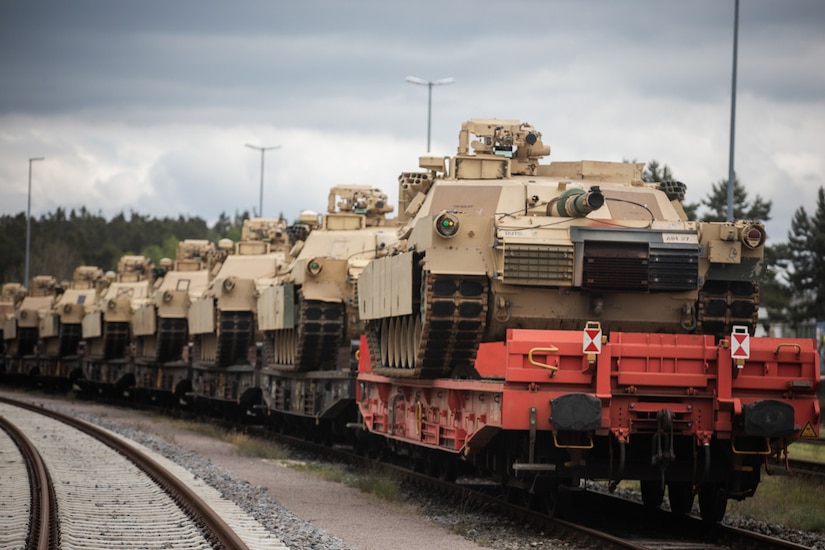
(808, 431)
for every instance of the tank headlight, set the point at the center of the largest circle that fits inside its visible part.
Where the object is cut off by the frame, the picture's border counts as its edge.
(112, 304)
(314, 267)
(446, 225)
(228, 285)
(67, 308)
(24, 314)
(167, 296)
(753, 236)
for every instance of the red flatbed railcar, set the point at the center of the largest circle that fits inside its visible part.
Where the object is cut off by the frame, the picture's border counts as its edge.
(670, 410)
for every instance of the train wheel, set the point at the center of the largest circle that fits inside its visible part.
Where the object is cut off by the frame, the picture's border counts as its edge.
(653, 493)
(713, 502)
(680, 495)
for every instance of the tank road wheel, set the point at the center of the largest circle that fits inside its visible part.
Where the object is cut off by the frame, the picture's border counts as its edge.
(713, 502)
(446, 335)
(653, 493)
(680, 496)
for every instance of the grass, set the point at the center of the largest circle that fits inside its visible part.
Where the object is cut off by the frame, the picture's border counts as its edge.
(371, 483)
(792, 501)
(246, 445)
(807, 451)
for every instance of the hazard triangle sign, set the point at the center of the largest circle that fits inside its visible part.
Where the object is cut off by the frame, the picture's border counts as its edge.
(592, 342)
(740, 342)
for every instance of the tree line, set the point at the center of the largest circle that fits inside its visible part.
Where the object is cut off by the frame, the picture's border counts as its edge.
(792, 286)
(61, 241)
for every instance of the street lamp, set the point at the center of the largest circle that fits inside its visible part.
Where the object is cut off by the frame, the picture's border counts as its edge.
(429, 84)
(29, 220)
(262, 150)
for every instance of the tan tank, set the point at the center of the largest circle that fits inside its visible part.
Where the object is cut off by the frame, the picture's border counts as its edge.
(10, 297)
(61, 328)
(311, 311)
(222, 321)
(106, 325)
(495, 240)
(21, 329)
(160, 325)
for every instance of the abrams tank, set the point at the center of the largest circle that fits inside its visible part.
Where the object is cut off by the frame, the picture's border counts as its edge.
(310, 316)
(160, 325)
(10, 297)
(21, 330)
(222, 321)
(311, 310)
(61, 328)
(106, 326)
(497, 240)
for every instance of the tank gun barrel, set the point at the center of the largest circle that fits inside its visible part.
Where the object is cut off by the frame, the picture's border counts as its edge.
(576, 203)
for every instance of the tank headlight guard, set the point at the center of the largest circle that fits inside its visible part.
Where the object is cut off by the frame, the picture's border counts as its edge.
(446, 225)
(314, 266)
(753, 236)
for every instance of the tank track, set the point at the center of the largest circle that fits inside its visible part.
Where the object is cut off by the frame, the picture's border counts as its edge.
(723, 304)
(171, 337)
(444, 334)
(314, 344)
(234, 338)
(115, 339)
(70, 336)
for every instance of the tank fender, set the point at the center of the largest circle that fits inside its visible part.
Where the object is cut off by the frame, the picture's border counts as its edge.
(577, 412)
(451, 261)
(323, 291)
(769, 418)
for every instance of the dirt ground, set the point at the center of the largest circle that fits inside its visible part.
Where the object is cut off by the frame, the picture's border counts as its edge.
(358, 519)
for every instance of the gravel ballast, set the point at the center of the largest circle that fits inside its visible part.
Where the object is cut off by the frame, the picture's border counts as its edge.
(308, 513)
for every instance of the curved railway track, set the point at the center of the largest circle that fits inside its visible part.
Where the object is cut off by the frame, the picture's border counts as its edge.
(40, 532)
(83, 529)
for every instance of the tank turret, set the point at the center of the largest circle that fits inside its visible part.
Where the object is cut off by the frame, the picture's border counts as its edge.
(494, 239)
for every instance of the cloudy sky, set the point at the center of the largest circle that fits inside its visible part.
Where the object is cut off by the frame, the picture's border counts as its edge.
(146, 106)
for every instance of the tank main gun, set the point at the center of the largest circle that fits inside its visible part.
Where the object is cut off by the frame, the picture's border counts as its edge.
(576, 203)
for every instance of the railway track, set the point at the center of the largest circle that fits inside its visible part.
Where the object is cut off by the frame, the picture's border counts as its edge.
(630, 524)
(23, 470)
(128, 499)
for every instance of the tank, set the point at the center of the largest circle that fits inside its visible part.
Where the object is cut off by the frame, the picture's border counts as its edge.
(106, 327)
(222, 321)
(312, 309)
(309, 317)
(493, 239)
(21, 330)
(61, 328)
(11, 295)
(160, 325)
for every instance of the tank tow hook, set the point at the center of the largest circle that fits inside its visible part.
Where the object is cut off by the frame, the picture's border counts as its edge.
(662, 451)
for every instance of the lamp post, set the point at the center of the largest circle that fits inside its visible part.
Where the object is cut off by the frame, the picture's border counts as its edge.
(429, 84)
(261, 198)
(29, 220)
(731, 172)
